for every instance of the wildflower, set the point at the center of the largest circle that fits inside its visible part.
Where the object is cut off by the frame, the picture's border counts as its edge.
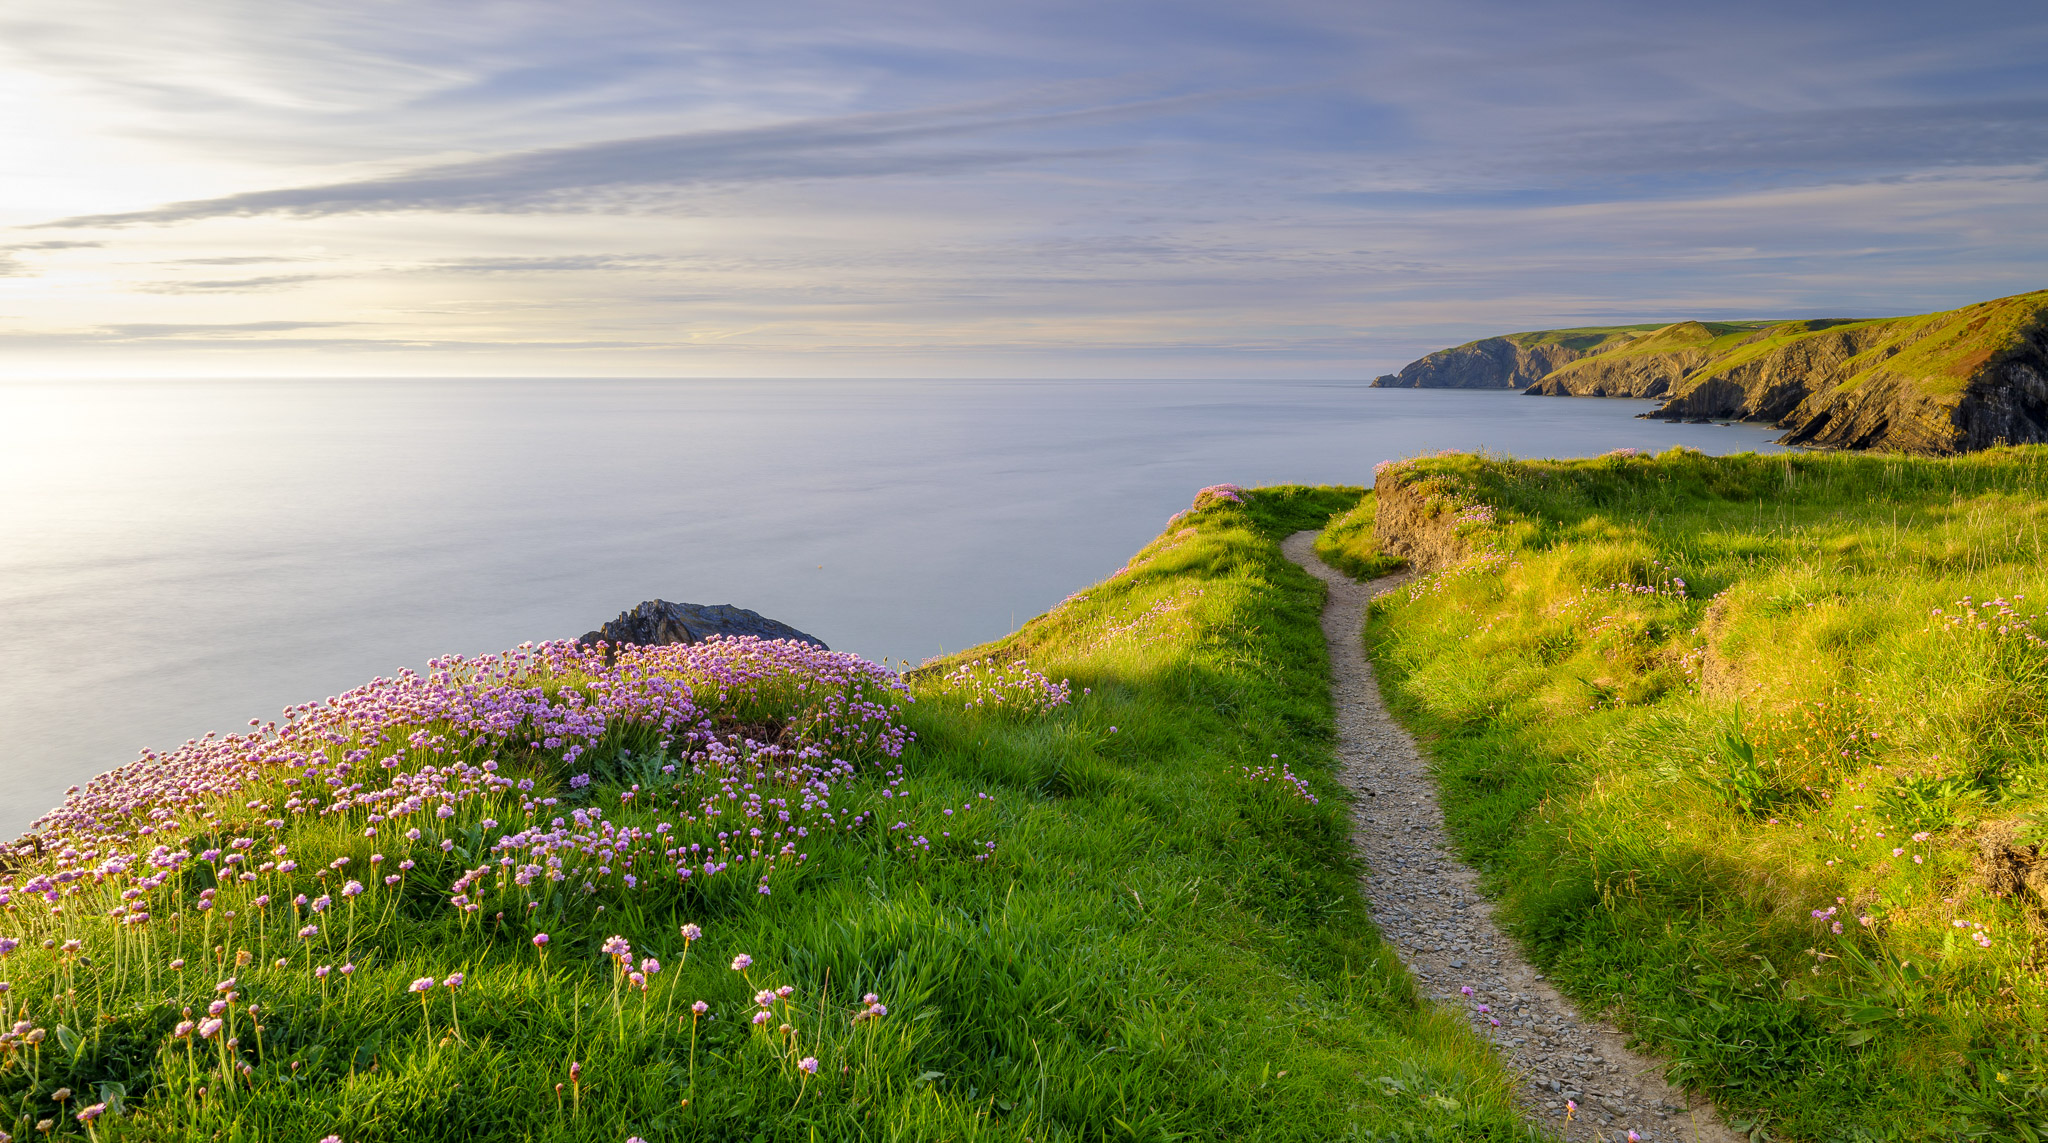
(352, 888)
(347, 969)
(92, 1113)
(762, 1017)
(808, 1065)
(742, 962)
(330, 1139)
(227, 985)
(208, 1027)
(1571, 1108)
(454, 980)
(178, 965)
(617, 948)
(692, 933)
(309, 930)
(1634, 1138)
(650, 966)
(421, 985)
(61, 1094)
(1465, 990)
(321, 972)
(870, 998)
(183, 1029)
(540, 940)
(700, 1008)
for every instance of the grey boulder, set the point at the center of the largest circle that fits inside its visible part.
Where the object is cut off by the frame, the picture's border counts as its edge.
(658, 622)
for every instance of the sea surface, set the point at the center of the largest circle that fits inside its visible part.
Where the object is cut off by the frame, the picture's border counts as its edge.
(178, 557)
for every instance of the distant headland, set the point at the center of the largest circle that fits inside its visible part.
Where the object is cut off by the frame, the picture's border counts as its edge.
(1939, 383)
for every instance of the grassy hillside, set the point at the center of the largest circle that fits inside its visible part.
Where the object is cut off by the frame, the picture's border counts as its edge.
(781, 900)
(1940, 383)
(1591, 339)
(1584, 339)
(1752, 749)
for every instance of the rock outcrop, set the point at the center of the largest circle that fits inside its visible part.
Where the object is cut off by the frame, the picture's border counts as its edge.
(1492, 363)
(658, 622)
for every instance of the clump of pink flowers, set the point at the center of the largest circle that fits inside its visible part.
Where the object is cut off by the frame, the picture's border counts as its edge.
(1278, 774)
(1008, 686)
(399, 757)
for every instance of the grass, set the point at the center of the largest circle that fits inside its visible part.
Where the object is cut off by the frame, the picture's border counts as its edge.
(1939, 353)
(1160, 944)
(1347, 544)
(1731, 739)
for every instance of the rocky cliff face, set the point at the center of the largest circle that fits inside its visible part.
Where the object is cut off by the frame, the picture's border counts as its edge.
(1493, 363)
(1935, 384)
(1650, 367)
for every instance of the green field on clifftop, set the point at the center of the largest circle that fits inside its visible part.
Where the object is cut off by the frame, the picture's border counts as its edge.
(1754, 750)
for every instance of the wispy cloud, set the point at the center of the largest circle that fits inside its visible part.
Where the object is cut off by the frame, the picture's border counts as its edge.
(257, 285)
(577, 177)
(541, 264)
(911, 186)
(239, 260)
(166, 331)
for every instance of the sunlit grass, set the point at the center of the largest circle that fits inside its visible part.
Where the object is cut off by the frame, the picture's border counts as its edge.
(1737, 741)
(1060, 914)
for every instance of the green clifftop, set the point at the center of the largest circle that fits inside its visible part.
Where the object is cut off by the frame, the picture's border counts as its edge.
(1511, 361)
(1938, 383)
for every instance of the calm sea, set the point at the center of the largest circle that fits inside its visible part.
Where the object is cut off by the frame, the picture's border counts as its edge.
(178, 557)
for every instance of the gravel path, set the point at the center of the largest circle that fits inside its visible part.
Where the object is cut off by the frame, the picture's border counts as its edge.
(1428, 906)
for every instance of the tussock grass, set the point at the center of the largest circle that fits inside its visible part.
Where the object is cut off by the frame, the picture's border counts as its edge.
(1347, 543)
(1158, 946)
(1743, 744)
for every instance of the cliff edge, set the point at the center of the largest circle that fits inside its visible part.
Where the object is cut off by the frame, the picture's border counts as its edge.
(1938, 383)
(1935, 384)
(1510, 361)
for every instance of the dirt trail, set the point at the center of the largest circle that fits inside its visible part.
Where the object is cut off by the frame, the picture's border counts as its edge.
(1427, 904)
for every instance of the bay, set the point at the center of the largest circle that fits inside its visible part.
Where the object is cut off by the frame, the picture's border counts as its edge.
(184, 556)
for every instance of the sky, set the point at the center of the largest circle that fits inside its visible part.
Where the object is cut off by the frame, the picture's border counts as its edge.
(1028, 189)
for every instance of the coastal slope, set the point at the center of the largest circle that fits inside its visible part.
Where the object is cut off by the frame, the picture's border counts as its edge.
(1511, 361)
(1939, 383)
(1933, 384)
